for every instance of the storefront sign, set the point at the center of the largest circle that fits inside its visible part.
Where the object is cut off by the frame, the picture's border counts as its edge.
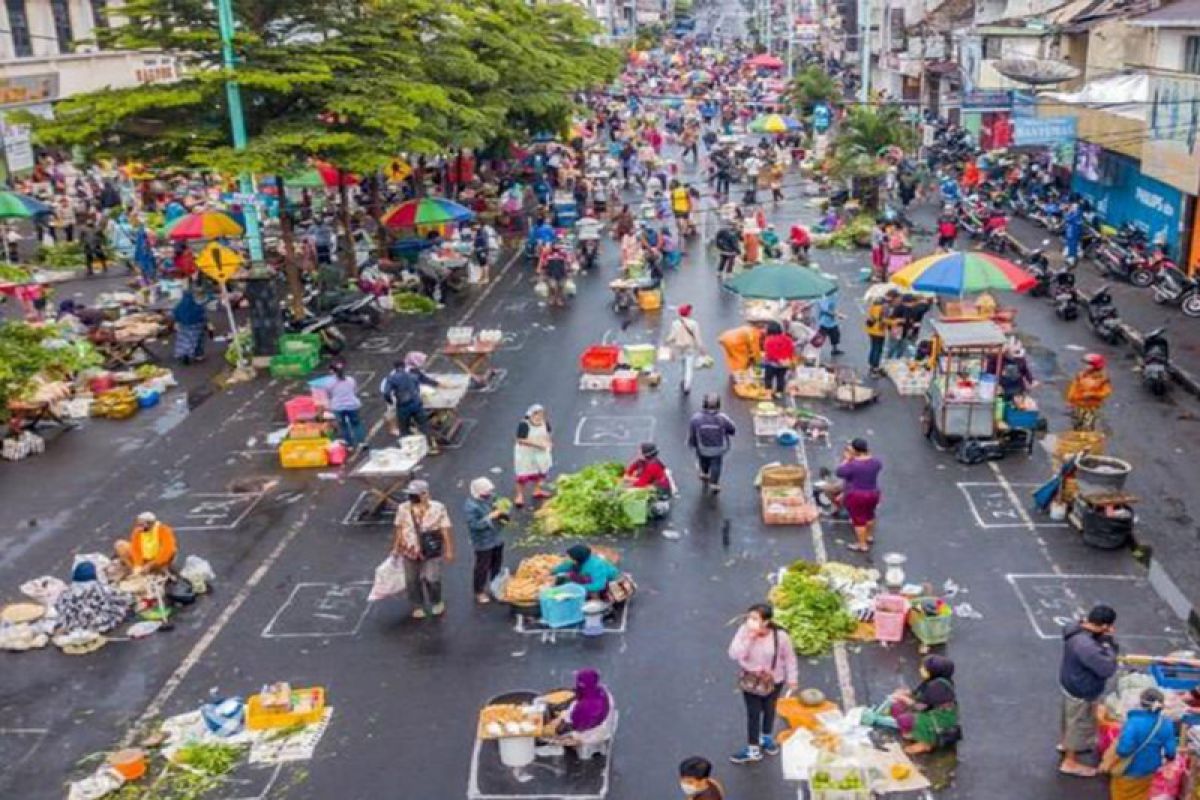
(159, 69)
(1035, 131)
(986, 100)
(1125, 193)
(1024, 104)
(21, 90)
(1171, 151)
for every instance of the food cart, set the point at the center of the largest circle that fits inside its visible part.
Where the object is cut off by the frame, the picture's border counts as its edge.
(962, 400)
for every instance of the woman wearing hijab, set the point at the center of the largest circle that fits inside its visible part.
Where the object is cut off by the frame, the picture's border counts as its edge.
(928, 714)
(593, 572)
(532, 454)
(584, 719)
(89, 605)
(484, 523)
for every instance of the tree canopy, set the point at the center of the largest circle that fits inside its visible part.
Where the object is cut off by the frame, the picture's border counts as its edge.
(350, 82)
(813, 85)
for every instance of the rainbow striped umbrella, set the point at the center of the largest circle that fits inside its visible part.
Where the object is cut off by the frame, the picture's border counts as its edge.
(963, 273)
(426, 211)
(773, 123)
(204, 225)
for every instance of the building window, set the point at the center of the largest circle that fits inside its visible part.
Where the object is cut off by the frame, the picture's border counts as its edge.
(100, 13)
(18, 23)
(1191, 55)
(62, 25)
(992, 47)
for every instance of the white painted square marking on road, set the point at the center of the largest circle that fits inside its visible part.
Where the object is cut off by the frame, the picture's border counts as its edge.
(385, 342)
(992, 505)
(1052, 601)
(319, 610)
(354, 518)
(217, 511)
(614, 431)
(550, 635)
(514, 340)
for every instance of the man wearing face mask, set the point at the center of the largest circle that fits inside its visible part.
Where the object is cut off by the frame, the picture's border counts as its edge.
(696, 782)
(423, 539)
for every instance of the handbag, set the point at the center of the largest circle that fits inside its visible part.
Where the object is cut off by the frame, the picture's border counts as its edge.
(1113, 764)
(431, 543)
(818, 340)
(622, 588)
(760, 684)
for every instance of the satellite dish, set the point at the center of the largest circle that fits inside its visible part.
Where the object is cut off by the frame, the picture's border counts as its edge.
(1036, 71)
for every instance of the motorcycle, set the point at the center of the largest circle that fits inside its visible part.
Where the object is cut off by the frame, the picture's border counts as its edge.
(333, 341)
(970, 220)
(1103, 316)
(1038, 265)
(1172, 286)
(1066, 303)
(1048, 214)
(363, 310)
(1155, 362)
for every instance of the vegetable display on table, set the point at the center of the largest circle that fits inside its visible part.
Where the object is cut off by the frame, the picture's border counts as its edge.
(813, 613)
(28, 351)
(590, 502)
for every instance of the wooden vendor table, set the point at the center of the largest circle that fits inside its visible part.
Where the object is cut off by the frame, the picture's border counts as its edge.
(475, 359)
(384, 475)
(442, 406)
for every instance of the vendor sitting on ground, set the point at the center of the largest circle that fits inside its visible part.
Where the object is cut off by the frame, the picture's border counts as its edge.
(648, 470)
(589, 570)
(151, 546)
(742, 346)
(583, 721)
(928, 714)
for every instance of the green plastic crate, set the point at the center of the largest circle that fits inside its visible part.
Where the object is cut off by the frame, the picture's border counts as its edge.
(292, 365)
(292, 344)
(636, 506)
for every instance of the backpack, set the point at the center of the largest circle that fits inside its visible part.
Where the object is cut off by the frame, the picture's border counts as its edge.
(712, 438)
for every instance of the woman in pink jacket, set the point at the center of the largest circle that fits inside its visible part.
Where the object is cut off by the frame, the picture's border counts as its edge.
(766, 664)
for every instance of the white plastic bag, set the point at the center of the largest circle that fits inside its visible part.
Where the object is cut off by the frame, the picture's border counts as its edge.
(389, 579)
(198, 572)
(500, 583)
(541, 288)
(569, 288)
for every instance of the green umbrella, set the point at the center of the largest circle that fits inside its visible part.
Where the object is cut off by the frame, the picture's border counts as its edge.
(781, 281)
(19, 206)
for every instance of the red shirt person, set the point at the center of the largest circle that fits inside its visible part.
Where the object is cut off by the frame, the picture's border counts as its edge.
(647, 470)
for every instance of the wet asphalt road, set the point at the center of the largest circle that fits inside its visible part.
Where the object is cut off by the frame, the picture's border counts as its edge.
(288, 600)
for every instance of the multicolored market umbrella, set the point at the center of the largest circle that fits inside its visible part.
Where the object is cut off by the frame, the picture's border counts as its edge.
(20, 206)
(773, 123)
(958, 274)
(766, 61)
(781, 281)
(426, 211)
(204, 225)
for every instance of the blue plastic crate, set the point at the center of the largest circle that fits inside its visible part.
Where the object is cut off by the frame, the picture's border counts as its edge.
(1018, 418)
(562, 606)
(1174, 677)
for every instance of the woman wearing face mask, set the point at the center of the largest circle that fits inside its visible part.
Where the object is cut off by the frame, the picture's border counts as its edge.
(928, 714)
(767, 663)
(484, 523)
(423, 539)
(696, 782)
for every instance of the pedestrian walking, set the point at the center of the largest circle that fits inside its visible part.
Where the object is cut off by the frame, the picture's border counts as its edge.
(860, 472)
(93, 247)
(424, 539)
(484, 522)
(346, 406)
(1087, 392)
(532, 454)
(729, 247)
(828, 322)
(686, 344)
(696, 781)
(1148, 740)
(401, 390)
(1089, 659)
(191, 326)
(766, 665)
(710, 434)
(876, 327)
(779, 355)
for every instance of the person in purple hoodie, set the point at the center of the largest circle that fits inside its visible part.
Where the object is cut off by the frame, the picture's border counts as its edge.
(1089, 660)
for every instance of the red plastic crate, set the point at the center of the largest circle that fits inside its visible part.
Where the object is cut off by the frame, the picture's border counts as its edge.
(600, 359)
(625, 383)
(891, 612)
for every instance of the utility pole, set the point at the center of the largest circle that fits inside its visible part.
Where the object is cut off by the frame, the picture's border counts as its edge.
(864, 50)
(791, 39)
(767, 23)
(237, 123)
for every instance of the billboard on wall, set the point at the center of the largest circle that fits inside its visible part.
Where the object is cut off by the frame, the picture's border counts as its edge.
(1049, 131)
(1124, 193)
(1171, 152)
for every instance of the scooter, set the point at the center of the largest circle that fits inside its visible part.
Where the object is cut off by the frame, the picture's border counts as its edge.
(1172, 286)
(1066, 303)
(1103, 316)
(1156, 360)
(333, 341)
(1038, 265)
(364, 311)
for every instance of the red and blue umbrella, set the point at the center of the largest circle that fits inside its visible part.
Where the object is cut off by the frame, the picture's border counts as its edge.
(426, 211)
(958, 274)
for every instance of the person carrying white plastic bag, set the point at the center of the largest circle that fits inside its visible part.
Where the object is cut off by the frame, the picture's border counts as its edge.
(389, 579)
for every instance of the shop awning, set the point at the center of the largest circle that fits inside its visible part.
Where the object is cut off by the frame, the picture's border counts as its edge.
(1122, 95)
(1183, 14)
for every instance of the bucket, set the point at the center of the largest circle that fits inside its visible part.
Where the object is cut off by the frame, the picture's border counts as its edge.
(337, 453)
(1101, 474)
(131, 763)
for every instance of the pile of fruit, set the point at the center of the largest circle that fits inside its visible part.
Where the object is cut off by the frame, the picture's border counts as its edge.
(119, 403)
(847, 783)
(533, 575)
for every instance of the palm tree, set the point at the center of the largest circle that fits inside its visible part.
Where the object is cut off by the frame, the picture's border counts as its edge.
(863, 137)
(813, 85)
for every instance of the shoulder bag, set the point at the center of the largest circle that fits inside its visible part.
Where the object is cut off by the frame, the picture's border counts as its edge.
(761, 683)
(431, 543)
(1113, 764)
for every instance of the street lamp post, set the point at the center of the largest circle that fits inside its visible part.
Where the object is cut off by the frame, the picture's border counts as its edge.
(237, 124)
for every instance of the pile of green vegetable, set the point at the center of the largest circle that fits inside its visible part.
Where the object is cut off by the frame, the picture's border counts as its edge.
(27, 351)
(589, 502)
(854, 234)
(412, 303)
(196, 771)
(60, 256)
(10, 273)
(813, 614)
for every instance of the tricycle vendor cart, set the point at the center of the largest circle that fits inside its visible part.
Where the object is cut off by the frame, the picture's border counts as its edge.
(961, 403)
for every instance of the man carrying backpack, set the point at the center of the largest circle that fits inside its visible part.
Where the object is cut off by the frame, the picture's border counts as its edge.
(710, 434)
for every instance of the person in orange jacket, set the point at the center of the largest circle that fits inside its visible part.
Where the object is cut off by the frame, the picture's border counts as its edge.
(1087, 392)
(151, 546)
(742, 346)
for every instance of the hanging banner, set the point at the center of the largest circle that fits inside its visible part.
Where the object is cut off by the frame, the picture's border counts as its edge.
(1048, 131)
